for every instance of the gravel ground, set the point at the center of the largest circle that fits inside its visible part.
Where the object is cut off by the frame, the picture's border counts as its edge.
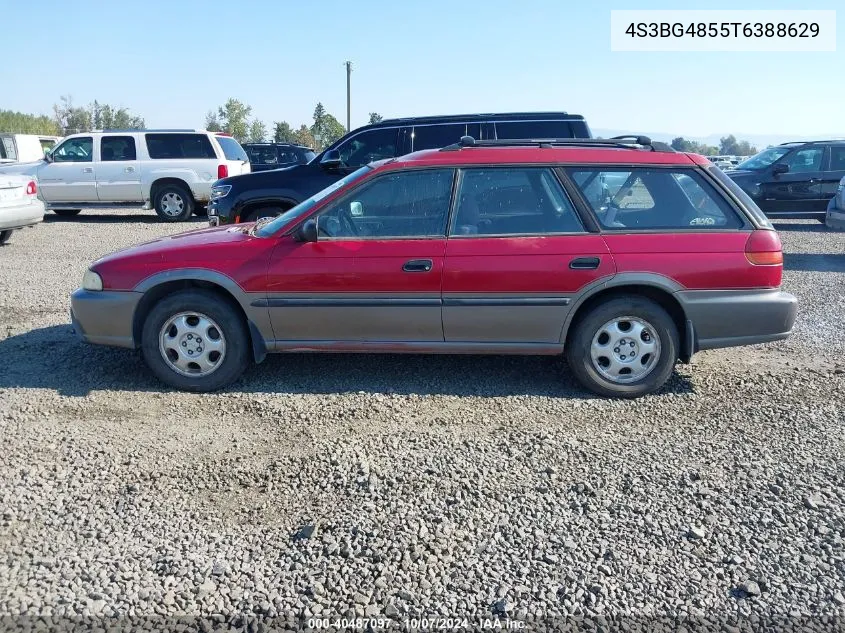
(379, 486)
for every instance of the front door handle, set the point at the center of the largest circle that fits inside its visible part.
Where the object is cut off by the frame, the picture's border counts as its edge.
(129, 170)
(418, 266)
(87, 170)
(585, 263)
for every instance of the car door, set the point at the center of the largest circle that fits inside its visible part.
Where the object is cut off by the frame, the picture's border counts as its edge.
(798, 189)
(516, 258)
(833, 171)
(374, 273)
(70, 174)
(118, 170)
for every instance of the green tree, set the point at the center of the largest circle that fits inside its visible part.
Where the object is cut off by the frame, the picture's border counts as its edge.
(303, 137)
(326, 129)
(21, 123)
(71, 119)
(745, 149)
(211, 122)
(283, 133)
(104, 117)
(375, 117)
(233, 117)
(257, 131)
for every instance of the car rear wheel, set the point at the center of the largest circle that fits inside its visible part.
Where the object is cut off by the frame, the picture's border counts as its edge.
(173, 203)
(4, 236)
(623, 348)
(263, 212)
(195, 341)
(66, 213)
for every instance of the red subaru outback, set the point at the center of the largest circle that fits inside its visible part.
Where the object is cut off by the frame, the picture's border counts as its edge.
(622, 254)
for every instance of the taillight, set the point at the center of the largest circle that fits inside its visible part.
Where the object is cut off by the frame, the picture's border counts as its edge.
(222, 171)
(31, 189)
(763, 248)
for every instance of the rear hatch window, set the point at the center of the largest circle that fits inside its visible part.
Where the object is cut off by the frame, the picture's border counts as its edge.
(232, 150)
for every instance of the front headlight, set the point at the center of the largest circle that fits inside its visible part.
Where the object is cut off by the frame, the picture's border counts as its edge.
(220, 191)
(92, 281)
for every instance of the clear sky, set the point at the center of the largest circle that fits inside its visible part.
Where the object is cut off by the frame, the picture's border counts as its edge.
(173, 60)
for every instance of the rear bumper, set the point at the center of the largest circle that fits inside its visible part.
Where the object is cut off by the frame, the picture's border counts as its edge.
(104, 317)
(726, 318)
(22, 215)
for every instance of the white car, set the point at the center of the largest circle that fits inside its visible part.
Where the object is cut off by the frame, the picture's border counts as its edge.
(25, 148)
(19, 204)
(171, 171)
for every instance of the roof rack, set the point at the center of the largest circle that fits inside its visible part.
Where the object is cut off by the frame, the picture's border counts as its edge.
(829, 140)
(112, 130)
(628, 142)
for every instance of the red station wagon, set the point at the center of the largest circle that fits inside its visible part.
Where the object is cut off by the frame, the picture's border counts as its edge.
(619, 253)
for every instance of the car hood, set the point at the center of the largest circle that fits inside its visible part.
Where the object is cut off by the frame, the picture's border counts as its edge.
(203, 245)
(261, 178)
(740, 173)
(28, 169)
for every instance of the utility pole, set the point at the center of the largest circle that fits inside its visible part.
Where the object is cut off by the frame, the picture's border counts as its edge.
(348, 96)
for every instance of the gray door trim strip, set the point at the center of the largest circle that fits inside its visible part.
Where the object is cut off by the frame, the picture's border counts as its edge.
(405, 302)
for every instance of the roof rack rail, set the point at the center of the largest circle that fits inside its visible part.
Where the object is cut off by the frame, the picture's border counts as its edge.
(628, 142)
(111, 130)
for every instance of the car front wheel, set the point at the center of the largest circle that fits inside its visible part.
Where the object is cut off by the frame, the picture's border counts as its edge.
(4, 236)
(623, 348)
(195, 341)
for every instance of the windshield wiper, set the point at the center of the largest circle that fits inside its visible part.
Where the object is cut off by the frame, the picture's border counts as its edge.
(260, 223)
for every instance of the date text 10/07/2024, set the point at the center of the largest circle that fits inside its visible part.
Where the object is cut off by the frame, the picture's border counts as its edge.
(416, 624)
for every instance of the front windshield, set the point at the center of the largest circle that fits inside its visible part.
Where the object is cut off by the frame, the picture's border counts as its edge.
(764, 158)
(268, 229)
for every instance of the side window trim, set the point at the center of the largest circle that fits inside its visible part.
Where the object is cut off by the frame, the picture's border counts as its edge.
(550, 169)
(367, 182)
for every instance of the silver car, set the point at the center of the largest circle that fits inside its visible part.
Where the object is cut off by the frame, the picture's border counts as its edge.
(19, 204)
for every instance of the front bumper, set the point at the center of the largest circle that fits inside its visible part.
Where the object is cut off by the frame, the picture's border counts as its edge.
(104, 317)
(726, 318)
(219, 213)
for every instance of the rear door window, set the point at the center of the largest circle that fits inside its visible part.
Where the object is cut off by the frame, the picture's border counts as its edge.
(113, 148)
(436, 136)
(174, 146)
(513, 201)
(262, 154)
(659, 199)
(533, 129)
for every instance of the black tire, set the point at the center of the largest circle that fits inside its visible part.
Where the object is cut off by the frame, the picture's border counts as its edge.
(262, 212)
(173, 203)
(232, 328)
(579, 344)
(67, 213)
(4, 236)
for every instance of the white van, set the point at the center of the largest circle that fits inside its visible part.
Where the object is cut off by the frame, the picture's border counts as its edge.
(25, 148)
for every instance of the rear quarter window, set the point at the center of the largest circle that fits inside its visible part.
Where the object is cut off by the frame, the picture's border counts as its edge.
(174, 146)
(654, 199)
(232, 150)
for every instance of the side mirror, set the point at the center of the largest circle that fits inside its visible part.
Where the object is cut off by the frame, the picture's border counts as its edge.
(331, 160)
(307, 231)
(780, 168)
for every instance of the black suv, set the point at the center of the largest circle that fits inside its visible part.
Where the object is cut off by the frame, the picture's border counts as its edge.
(793, 180)
(264, 156)
(252, 196)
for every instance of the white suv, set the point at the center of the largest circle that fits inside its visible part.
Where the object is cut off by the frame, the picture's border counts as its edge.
(170, 171)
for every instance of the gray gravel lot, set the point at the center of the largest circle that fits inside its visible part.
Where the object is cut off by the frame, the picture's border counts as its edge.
(405, 485)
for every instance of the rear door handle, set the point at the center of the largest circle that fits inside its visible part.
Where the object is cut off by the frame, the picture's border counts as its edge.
(585, 263)
(129, 170)
(418, 266)
(87, 170)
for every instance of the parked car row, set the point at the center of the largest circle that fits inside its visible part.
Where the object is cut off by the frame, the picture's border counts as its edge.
(621, 254)
(171, 171)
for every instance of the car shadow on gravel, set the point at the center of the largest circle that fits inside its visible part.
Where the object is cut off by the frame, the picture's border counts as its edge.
(815, 262)
(134, 217)
(54, 358)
